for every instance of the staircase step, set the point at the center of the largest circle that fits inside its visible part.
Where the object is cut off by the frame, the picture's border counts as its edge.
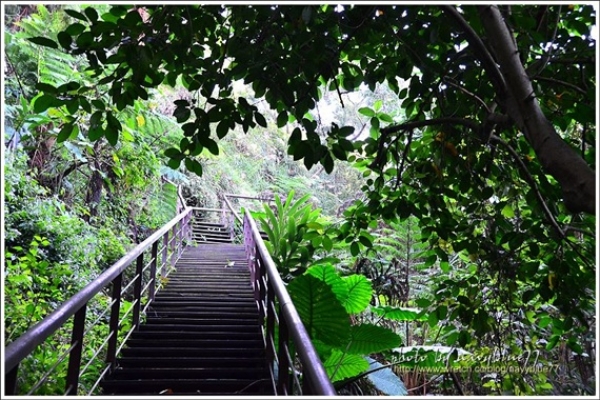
(196, 386)
(168, 326)
(197, 313)
(186, 335)
(202, 321)
(200, 301)
(150, 351)
(214, 344)
(190, 362)
(233, 373)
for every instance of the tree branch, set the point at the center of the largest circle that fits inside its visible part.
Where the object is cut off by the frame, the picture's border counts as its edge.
(532, 183)
(479, 49)
(575, 176)
(469, 123)
(450, 82)
(563, 83)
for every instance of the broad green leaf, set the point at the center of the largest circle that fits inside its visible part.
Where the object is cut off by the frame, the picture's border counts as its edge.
(329, 275)
(321, 312)
(360, 292)
(340, 366)
(399, 313)
(368, 339)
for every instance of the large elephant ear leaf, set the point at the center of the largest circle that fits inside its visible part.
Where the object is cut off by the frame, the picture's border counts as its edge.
(328, 274)
(359, 295)
(320, 310)
(368, 339)
(342, 365)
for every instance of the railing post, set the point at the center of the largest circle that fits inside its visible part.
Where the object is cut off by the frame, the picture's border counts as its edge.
(270, 333)
(283, 380)
(72, 383)
(173, 244)
(163, 266)
(111, 352)
(153, 255)
(137, 290)
(10, 383)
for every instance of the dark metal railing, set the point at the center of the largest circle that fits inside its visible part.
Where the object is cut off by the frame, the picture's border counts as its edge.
(131, 281)
(294, 364)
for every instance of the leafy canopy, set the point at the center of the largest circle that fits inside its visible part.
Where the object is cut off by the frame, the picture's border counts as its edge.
(493, 150)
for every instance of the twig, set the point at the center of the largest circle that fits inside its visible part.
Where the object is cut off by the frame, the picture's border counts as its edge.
(462, 89)
(559, 82)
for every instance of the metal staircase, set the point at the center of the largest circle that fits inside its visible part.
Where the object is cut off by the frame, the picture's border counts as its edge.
(202, 334)
(185, 312)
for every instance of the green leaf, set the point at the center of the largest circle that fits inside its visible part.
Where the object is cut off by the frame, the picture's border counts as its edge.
(282, 119)
(508, 211)
(329, 275)
(320, 310)
(174, 163)
(399, 313)
(112, 135)
(260, 119)
(359, 295)
(76, 15)
(354, 249)
(75, 29)
(340, 366)
(64, 39)
(211, 145)
(366, 111)
(91, 13)
(44, 41)
(64, 133)
(44, 102)
(367, 339)
(222, 128)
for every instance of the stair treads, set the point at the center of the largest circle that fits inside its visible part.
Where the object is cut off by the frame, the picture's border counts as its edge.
(202, 321)
(196, 386)
(213, 344)
(202, 334)
(141, 372)
(151, 351)
(190, 362)
(199, 328)
(168, 335)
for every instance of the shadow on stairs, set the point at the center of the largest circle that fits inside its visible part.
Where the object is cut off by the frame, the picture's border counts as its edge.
(202, 334)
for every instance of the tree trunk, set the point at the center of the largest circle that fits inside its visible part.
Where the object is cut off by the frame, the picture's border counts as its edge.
(577, 179)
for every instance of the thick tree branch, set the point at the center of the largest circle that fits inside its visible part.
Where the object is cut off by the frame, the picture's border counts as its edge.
(469, 123)
(479, 49)
(577, 179)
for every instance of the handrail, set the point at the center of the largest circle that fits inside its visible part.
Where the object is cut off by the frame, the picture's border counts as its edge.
(230, 206)
(262, 266)
(76, 305)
